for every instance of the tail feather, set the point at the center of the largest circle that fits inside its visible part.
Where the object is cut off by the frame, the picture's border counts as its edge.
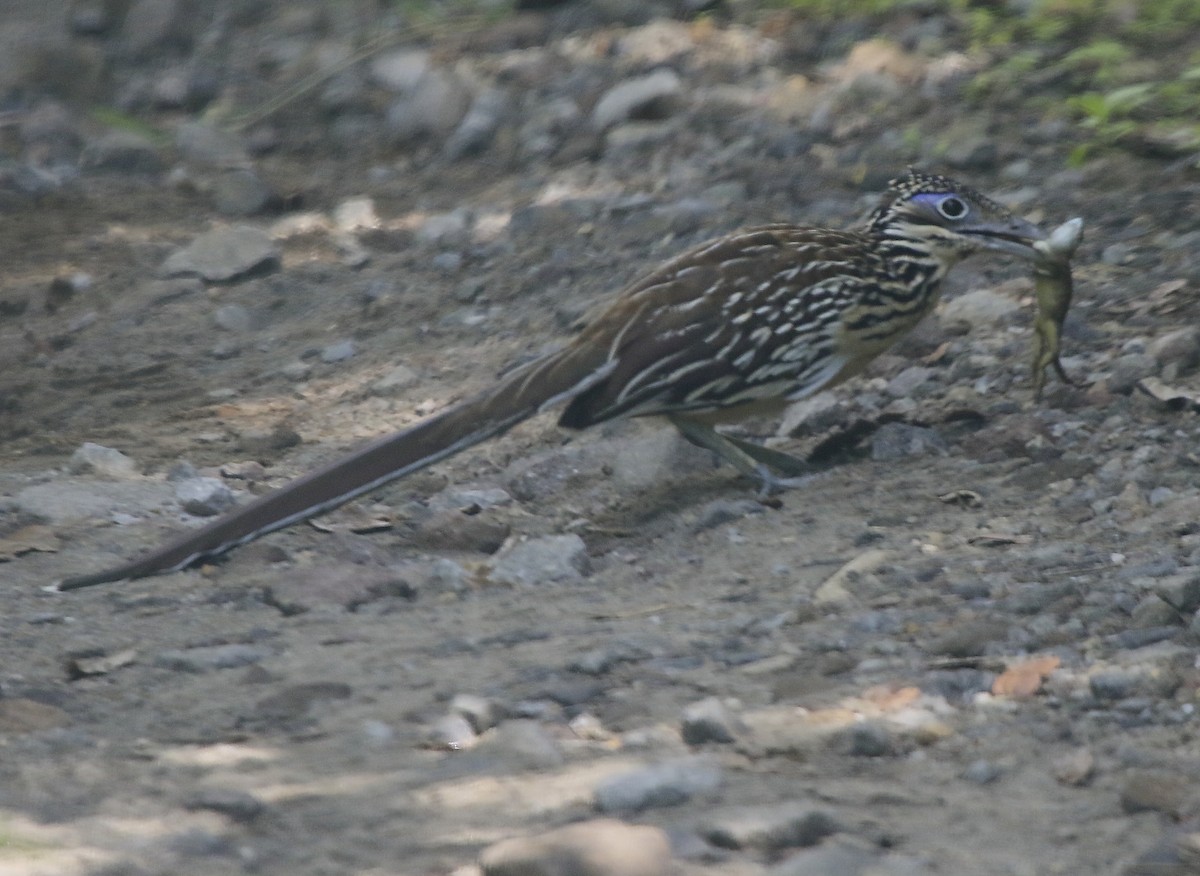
(519, 395)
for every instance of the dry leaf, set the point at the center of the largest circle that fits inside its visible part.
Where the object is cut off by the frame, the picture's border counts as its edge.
(937, 355)
(1025, 679)
(26, 540)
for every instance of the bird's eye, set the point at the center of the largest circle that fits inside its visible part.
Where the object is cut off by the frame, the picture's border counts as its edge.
(952, 207)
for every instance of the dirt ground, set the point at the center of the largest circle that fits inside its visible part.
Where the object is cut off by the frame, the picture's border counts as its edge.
(272, 713)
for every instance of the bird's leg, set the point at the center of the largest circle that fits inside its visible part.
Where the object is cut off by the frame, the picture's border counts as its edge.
(752, 460)
(783, 463)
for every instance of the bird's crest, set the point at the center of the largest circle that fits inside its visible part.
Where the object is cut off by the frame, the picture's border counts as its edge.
(904, 188)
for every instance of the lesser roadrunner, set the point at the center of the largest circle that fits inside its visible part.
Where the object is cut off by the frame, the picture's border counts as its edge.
(742, 324)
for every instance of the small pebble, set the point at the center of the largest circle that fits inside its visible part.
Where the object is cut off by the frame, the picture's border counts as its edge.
(233, 318)
(981, 772)
(480, 712)
(204, 497)
(452, 733)
(239, 806)
(866, 739)
(707, 721)
(544, 560)
(665, 784)
(98, 459)
(339, 352)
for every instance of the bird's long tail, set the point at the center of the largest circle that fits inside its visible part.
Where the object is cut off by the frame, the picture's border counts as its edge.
(518, 396)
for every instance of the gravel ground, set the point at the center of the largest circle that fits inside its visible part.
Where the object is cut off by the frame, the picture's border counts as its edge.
(967, 647)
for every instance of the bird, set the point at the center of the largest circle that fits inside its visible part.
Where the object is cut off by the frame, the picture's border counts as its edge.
(740, 325)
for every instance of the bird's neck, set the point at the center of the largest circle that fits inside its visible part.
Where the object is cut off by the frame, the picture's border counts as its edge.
(916, 265)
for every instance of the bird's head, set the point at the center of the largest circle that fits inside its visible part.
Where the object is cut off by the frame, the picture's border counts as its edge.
(950, 219)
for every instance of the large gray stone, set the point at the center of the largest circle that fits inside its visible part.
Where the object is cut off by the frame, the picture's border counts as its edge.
(224, 254)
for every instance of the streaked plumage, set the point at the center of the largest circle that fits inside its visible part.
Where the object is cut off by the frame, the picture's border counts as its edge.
(743, 323)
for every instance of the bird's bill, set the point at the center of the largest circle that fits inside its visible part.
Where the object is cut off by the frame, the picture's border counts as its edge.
(1012, 236)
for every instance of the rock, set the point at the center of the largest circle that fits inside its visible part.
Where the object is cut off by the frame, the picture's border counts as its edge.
(298, 370)
(338, 352)
(665, 784)
(377, 734)
(546, 125)
(812, 416)
(901, 440)
(199, 843)
(866, 739)
(233, 318)
(980, 308)
(480, 712)
(642, 457)
(254, 441)
(1180, 591)
(545, 560)
(149, 24)
(451, 733)
(981, 772)
(91, 17)
(522, 744)
(1113, 684)
(445, 575)
(970, 146)
(122, 152)
(969, 638)
(1153, 613)
(294, 702)
(355, 214)
(721, 511)
(475, 132)
(65, 288)
(470, 500)
(399, 71)
(433, 107)
(769, 829)
(360, 581)
(1171, 793)
(600, 660)
(62, 502)
(203, 144)
(240, 192)
(1180, 348)
(236, 805)
(1127, 370)
(98, 459)
(455, 531)
(1119, 253)
(224, 254)
(707, 721)
(603, 847)
(837, 857)
(907, 383)
(204, 497)
(21, 715)
(653, 96)
(209, 658)
(448, 262)
(1076, 768)
(445, 229)
(399, 378)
